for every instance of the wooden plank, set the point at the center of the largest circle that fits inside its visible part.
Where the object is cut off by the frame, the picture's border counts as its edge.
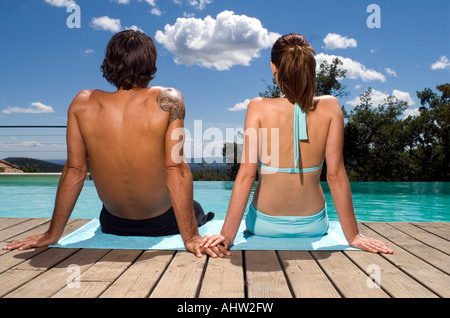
(265, 278)
(111, 266)
(19, 228)
(305, 276)
(346, 276)
(224, 277)
(71, 226)
(182, 278)
(100, 275)
(428, 275)
(441, 229)
(85, 290)
(8, 222)
(141, 277)
(10, 259)
(423, 236)
(58, 277)
(387, 276)
(25, 271)
(14, 278)
(420, 250)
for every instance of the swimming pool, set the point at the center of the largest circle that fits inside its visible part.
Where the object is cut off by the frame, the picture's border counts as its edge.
(33, 197)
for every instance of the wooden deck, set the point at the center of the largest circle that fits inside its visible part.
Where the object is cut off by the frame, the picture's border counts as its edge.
(419, 268)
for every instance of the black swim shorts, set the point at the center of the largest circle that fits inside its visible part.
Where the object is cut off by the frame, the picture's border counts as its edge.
(165, 224)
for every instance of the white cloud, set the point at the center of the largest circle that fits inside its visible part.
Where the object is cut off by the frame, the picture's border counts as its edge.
(200, 4)
(88, 52)
(391, 71)
(60, 3)
(354, 69)
(106, 23)
(35, 108)
(379, 98)
(411, 112)
(240, 106)
(219, 43)
(121, 1)
(443, 63)
(403, 96)
(31, 144)
(336, 41)
(134, 28)
(156, 11)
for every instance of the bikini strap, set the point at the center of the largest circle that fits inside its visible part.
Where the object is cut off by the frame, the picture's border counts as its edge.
(300, 131)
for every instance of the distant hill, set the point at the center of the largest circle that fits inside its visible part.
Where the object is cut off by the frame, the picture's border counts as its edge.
(58, 165)
(42, 166)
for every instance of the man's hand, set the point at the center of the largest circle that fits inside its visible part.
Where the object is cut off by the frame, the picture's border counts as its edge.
(37, 240)
(194, 245)
(217, 241)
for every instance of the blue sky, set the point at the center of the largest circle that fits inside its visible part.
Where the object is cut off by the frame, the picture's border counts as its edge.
(215, 52)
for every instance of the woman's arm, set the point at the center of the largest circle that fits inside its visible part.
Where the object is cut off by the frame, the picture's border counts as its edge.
(339, 184)
(244, 182)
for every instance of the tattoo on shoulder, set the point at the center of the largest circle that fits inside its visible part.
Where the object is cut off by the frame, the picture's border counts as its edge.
(170, 100)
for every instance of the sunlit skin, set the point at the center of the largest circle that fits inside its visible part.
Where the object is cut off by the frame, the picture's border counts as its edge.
(126, 136)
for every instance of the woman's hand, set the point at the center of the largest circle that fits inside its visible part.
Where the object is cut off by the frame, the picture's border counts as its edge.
(370, 244)
(217, 241)
(194, 245)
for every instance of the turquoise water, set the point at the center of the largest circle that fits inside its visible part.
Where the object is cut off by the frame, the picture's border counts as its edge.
(33, 197)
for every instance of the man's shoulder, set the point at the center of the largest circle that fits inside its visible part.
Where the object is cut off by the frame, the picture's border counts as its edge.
(168, 92)
(171, 100)
(85, 94)
(81, 99)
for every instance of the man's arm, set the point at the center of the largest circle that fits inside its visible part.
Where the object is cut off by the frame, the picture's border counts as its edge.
(69, 187)
(178, 174)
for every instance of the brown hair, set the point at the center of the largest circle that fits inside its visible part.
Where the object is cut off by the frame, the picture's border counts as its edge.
(294, 59)
(130, 60)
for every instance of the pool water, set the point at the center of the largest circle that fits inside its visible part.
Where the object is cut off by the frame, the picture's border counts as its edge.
(33, 197)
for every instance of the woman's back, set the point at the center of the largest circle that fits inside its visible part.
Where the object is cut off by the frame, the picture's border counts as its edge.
(298, 193)
(294, 134)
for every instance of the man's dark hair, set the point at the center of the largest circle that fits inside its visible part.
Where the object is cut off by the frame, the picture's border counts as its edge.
(130, 60)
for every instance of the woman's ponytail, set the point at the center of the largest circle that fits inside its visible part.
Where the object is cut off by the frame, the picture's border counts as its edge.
(296, 76)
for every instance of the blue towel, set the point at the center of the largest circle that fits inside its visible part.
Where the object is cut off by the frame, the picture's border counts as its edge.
(91, 236)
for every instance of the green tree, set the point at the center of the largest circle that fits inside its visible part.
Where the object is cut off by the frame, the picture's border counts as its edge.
(429, 136)
(328, 79)
(232, 153)
(375, 139)
(272, 90)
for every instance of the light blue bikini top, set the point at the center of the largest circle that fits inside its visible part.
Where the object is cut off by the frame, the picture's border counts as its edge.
(300, 133)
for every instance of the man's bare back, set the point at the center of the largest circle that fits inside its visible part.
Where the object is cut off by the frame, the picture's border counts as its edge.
(124, 134)
(127, 138)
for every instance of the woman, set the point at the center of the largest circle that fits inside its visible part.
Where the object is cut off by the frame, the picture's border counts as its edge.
(288, 200)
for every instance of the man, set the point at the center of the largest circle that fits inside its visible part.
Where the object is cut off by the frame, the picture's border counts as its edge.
(126, 136)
